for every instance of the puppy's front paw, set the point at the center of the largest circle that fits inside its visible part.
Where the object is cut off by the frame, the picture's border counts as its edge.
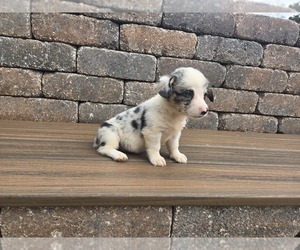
(158, 161)
(120, 157)
(180, 158)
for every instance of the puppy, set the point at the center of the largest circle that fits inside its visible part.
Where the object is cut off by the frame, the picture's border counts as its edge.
(159, 119)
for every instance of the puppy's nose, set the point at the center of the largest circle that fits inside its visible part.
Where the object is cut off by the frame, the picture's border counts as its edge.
(204, 112)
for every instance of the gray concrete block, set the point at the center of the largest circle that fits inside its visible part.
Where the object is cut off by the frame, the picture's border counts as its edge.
(34, 54)
(236, 221)
(82, 88)
(86, 222)
(117, 64)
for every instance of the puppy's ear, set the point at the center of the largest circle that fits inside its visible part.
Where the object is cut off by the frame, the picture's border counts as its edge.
(167, 90)
(210, 95)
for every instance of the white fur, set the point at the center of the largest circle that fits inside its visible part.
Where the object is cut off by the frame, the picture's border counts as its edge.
(155, 121)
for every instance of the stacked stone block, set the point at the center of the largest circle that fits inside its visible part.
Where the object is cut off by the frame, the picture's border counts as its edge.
(88, 67)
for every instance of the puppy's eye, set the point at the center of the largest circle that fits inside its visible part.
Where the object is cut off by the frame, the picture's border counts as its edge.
(188, 93)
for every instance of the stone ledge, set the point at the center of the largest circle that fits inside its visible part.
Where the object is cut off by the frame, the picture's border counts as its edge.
(86, 222)
(238, 221)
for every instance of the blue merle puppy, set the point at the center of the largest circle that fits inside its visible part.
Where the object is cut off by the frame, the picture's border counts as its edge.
(159, 119)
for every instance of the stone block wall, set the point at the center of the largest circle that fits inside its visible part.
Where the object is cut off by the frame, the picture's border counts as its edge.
(88, 67)
(163, 222)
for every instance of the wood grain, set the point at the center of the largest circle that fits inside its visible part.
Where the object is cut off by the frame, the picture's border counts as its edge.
(54, 164)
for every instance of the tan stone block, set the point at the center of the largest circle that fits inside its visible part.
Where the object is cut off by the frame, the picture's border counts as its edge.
(279, 105)
(138, 92)
(34, 54)
(256, 79)
(214, 22)
(147, 18)
(293, 85)
(98, 113)
(20, 82)
(229, 50)
(210, 121)
(214, 72)
(38, 109)
(248, 123)
(281, 57)
(157, 41)
(15, 24)
(82, 88)
(74, 29)
(116, 64)
(227, 100)
(289, 126)
(267, 29)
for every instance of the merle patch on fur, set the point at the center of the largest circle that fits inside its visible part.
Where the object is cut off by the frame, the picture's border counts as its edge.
(134, 124)
(143, 120)
(106, 124)
(137, 110)
(97, 141)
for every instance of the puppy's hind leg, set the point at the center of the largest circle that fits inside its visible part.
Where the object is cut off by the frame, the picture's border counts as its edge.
(107, 142)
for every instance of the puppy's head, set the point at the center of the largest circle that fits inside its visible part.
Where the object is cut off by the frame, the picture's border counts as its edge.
(186, 88)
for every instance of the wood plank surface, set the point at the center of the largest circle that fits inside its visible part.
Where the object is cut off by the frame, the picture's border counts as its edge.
(54, 164)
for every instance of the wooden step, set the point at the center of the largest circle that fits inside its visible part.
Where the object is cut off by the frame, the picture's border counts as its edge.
(54, 164)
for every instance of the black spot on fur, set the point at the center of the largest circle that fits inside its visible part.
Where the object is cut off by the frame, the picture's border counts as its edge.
(137, 110)
(134, 124)
(120, 118)
(102, 144)
(106, 124)
(143, 120)
(97, 141)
